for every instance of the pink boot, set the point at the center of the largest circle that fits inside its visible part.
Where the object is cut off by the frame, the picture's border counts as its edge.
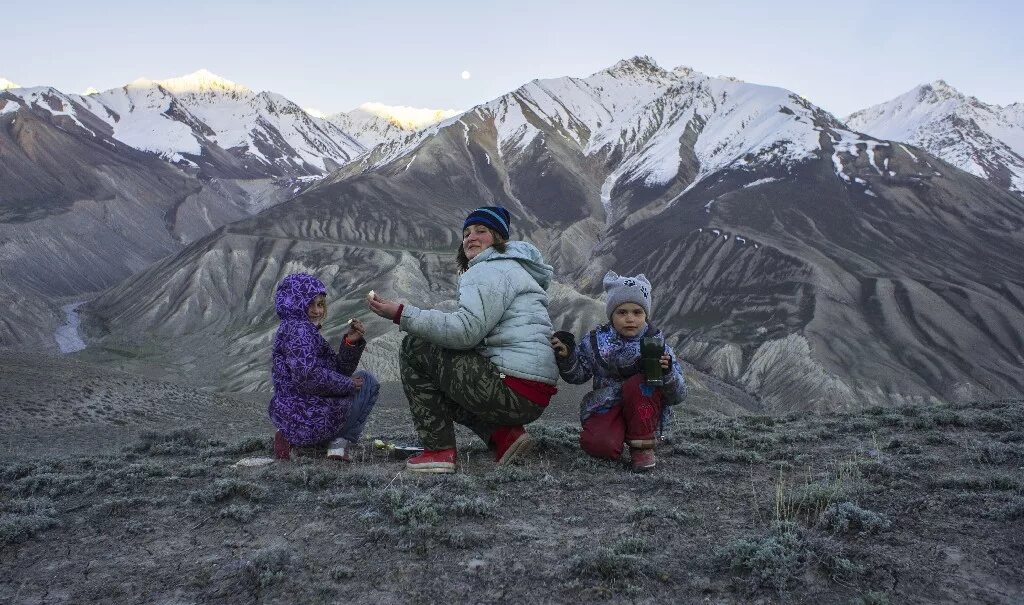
(282, 449)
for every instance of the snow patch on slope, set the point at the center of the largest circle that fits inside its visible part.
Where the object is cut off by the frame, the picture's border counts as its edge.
(985, 140)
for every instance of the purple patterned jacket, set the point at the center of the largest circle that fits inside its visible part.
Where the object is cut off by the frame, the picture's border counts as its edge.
(312, 388)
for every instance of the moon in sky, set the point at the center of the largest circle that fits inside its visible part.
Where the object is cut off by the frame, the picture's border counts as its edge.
(466, 75)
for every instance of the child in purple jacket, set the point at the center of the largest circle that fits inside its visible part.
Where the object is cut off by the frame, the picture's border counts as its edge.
(317, 398)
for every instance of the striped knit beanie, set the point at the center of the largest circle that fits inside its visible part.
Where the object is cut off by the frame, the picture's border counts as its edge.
(495, 217)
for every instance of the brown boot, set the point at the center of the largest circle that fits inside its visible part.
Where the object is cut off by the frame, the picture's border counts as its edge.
(642, 459)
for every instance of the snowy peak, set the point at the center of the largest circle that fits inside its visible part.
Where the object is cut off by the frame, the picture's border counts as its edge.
(641, 113)
(6, 84)
(199, 81)
(938, 91)
(375, 123)
(407, 118)
(637, 66)
(985, 140)
(204, 122)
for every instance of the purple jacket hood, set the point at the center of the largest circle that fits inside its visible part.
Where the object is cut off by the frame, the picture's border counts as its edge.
(294, 293)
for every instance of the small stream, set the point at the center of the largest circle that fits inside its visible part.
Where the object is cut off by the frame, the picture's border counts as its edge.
(68, 339)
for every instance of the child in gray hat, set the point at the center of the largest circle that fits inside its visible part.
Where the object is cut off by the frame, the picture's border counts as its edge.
(621, 408)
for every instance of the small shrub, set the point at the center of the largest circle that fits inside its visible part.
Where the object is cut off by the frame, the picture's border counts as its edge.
(892, 420)
(1011, 511)
(314, 477)
(341, 573)
(947, 417)
(28, 505)
(976, 483)
(338, 499)
(1012, 437)
(194, 470)
(775, 560)
(175, 443)
(813, 498)
(51, 484)
(412, 510)
(848, 518)
(632, 545)
(987, 421)
(644, 511)
(471, 507)
(16, 528)
(611, 566)
(993, 452)
(13, 471)
(249, 445)
(270, 565)
(243, 513)
(508, 474)
(226, 489)
(862, 425)
(461, 538)
(555, 437)
(781, 557)
(759, 421)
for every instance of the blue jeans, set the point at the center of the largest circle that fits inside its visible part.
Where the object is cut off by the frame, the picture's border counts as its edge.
(362, 405)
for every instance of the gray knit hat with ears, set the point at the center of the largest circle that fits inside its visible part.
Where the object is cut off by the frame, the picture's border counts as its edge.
(623, 289)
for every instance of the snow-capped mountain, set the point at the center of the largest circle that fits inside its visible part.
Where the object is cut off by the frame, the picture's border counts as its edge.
(180, 117)
(985, 140)
(207, 123)
(374, 123)
(6, 84)
(811, 265)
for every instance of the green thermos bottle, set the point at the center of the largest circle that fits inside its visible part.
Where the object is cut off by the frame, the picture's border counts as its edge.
(651, 350)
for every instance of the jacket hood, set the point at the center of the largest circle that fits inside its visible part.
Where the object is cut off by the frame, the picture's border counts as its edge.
(526, 254)
(294, 293)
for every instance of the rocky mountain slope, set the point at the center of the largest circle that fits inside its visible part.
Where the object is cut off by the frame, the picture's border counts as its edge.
(983, 139)
(813, 266)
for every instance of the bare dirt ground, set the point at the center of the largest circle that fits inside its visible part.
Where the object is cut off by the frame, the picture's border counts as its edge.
(139, 501)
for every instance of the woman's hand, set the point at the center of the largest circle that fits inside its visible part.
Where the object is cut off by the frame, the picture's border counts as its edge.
(356, 332)
(357, 382)
(559, 347)
(666, 361)
(383, 307)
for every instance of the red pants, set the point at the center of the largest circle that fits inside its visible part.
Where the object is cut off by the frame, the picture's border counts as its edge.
(637, 418)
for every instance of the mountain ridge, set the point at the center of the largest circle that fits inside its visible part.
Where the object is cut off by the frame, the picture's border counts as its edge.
(783, 245)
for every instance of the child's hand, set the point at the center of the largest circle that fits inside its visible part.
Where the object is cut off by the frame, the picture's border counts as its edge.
(356, 332)
(357, 382)
(383, 307)
(666, 361)
(559, 347)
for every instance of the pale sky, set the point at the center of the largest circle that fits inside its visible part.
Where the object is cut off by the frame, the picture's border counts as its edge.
(333, 56)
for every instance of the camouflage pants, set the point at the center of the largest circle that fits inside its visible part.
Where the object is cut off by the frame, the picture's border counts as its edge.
(445, 386)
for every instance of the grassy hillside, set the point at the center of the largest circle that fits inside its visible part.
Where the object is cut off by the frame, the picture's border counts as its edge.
(905, 505)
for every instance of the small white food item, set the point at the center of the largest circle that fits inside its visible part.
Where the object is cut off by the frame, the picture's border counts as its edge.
(350, 321)
(371, 295)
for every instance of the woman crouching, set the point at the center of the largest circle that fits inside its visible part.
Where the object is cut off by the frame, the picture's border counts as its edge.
(487, 365)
